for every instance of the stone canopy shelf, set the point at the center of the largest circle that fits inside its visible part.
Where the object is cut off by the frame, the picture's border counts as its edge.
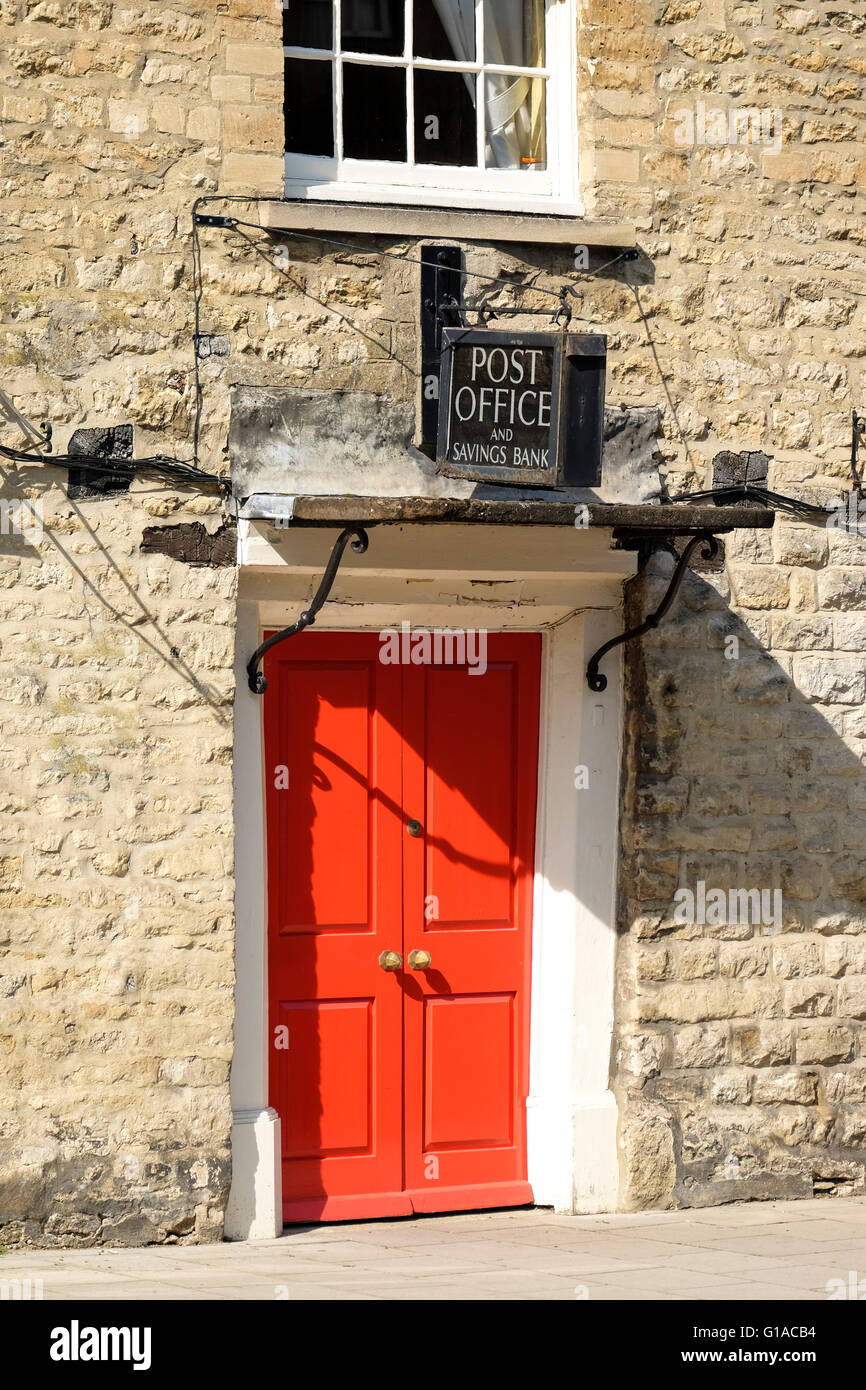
(671, 519)
(632, 524)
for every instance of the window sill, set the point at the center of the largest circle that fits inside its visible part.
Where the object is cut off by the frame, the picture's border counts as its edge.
(456, 224)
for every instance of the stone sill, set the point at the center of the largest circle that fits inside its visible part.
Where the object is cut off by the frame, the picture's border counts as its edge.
(454, 224)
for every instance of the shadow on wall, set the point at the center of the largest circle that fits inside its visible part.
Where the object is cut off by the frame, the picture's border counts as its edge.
(30, 530)
(741, 1057)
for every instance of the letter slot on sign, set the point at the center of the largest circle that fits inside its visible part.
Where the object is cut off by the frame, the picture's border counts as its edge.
(522, 408)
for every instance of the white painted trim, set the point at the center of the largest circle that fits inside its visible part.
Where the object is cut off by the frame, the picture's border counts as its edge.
(255, 1200)
(254, 1209)
(395, 195)
(572, 1113)
(573, 1163)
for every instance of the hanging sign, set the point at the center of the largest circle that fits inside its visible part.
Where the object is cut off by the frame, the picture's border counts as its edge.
(522, 408)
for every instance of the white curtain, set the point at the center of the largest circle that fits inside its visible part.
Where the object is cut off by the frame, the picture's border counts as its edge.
(457, 18)
(507, 114)
(507, 118)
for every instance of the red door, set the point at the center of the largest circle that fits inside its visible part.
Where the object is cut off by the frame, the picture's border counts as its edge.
(401, 816)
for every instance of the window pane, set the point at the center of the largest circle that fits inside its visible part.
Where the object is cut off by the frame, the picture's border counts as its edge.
(309, 107)
(373, 26)
(444, 29)
(515, 122)
(374, 112)
(308, 23)
(445, 118)
(514, 32)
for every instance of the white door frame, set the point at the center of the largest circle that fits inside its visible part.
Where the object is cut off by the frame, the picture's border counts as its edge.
(570, 590)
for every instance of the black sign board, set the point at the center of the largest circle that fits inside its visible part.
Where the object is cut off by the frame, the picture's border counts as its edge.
(522, 408)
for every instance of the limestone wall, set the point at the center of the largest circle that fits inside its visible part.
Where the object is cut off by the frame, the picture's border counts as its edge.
(116, 875)
(741, 1065)
(115, 880)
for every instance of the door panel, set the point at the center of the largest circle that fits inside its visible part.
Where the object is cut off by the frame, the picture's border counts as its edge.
(406, 1090)
(333, 702)
(331, 1053)
(469, 761)
(473, 1035)
(469, 795)
(332, 715)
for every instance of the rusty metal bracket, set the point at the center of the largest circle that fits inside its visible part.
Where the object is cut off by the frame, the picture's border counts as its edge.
(594, 678)
(257, 683)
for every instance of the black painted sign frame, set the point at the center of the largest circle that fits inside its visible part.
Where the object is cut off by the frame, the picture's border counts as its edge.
(575, 364)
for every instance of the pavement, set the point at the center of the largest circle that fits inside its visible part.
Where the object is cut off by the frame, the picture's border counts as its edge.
(792, 1251)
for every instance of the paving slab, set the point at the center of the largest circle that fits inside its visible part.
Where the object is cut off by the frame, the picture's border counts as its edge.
(761, 1251)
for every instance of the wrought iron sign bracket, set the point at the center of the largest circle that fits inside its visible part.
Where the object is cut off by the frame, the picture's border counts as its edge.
(257, 683)
(441, 306)
(594, 678)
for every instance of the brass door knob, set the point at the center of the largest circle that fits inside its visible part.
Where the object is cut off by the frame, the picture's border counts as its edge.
(420, 960)
(391, 960)
(415, 828)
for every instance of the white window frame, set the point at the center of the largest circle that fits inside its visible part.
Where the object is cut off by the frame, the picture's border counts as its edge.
(408, 184)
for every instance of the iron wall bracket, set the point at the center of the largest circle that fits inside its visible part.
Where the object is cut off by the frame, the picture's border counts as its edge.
(257, 683)
(441, 305)
(594, 678)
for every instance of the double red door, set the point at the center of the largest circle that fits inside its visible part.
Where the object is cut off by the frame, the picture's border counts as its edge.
(401, 814)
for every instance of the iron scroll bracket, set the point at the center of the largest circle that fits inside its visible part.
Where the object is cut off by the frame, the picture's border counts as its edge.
(594, 678)
(256, 679)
